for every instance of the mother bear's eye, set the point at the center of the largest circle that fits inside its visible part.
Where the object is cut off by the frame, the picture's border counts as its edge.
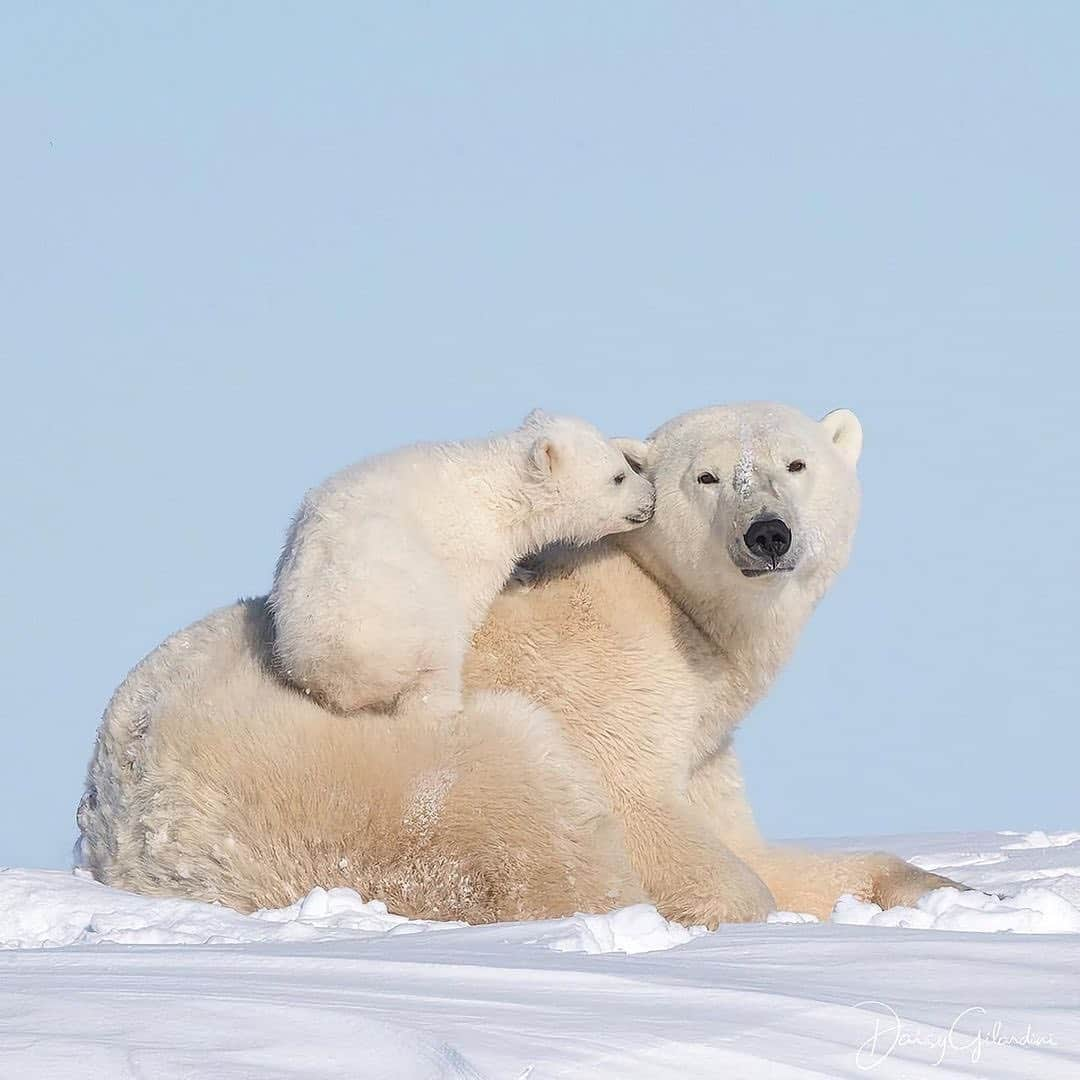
(617, 480)
(796, 466)
(707, 478)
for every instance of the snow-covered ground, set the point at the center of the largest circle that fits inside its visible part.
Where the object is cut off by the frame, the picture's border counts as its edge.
(100, 983)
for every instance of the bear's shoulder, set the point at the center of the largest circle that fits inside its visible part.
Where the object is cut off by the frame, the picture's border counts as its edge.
(592, 595)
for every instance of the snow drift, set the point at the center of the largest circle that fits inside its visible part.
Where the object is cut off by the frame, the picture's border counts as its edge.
(99, 982)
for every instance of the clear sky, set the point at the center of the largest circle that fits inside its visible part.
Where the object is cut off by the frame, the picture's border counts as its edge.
(244, 244)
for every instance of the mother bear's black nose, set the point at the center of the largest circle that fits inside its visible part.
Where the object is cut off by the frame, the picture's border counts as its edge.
(768, 539)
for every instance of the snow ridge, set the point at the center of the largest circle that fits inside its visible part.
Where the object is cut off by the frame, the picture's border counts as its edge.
(100, 983)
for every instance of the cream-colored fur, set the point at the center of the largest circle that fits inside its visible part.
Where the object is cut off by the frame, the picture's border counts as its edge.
(213, 779)
(259, 794)
(391, 565)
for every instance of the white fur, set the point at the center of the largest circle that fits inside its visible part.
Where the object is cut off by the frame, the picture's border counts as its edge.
(213, 779)
(391, 564)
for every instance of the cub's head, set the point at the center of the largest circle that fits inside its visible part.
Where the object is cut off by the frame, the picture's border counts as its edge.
(587, 488)
(753, 496)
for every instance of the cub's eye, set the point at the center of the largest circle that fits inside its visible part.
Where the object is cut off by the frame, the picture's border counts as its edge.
(617, 480)
(796, 466)
(707, 478)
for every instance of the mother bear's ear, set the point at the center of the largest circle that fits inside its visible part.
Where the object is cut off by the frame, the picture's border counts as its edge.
(636, 452)
(845, 433)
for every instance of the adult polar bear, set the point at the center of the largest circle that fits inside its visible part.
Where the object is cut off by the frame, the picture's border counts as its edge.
(212, 779)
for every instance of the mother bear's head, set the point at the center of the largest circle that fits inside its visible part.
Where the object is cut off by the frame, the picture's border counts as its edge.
(753, 498)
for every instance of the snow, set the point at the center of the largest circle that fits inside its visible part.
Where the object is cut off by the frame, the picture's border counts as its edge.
(1030, 911)
(100, 983)
(630, 930)
(49, 908)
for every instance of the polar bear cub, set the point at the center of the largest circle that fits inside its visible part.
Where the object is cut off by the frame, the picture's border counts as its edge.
(391, 564)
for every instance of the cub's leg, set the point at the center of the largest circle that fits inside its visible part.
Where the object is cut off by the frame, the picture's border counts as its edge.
(365, 618)
(436, 689)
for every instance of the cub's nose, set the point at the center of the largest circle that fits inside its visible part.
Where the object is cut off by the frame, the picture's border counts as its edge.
(768, 539)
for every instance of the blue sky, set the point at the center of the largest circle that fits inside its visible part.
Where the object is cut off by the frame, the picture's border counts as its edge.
(244, 246)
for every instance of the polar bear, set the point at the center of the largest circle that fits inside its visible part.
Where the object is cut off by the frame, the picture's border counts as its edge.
(391, 564)
(641, 654)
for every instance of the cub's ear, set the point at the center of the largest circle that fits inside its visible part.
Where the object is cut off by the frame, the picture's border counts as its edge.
(545, 456)
(636, 452)
(537, 418)
(845, 433)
